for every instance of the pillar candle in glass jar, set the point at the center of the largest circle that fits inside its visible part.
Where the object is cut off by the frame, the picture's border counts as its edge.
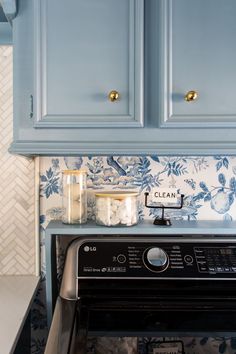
(74, 197)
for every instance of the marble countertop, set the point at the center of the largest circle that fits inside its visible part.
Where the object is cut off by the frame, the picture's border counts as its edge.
(16, 295)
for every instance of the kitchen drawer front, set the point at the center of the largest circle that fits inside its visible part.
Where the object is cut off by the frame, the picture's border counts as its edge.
(199, 54)
(84, 50)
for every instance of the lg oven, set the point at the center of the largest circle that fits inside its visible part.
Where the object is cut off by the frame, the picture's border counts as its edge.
(144, 286)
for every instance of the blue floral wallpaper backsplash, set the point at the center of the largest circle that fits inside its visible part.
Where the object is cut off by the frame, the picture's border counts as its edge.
(209, 188)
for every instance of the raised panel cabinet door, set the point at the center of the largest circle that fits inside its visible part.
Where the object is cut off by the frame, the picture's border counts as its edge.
(199, 63)
(85, 50)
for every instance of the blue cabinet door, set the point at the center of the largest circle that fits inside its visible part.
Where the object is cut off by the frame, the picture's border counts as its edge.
(84, 50)
(69, 57)
(200, 56)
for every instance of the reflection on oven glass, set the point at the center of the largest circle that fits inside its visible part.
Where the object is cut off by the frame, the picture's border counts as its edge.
(112, 345)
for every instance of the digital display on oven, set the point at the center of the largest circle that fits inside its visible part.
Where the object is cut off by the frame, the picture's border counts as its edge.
(216, 259)
(226, 251)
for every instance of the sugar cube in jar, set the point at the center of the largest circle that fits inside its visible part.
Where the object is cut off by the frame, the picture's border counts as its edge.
(116, 208)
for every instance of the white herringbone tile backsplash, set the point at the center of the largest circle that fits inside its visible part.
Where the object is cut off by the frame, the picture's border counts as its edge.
(17, 235)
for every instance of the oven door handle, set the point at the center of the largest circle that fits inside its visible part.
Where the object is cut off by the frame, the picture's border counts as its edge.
(61, 330)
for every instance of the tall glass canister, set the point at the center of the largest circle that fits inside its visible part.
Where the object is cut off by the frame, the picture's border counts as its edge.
(74, 197)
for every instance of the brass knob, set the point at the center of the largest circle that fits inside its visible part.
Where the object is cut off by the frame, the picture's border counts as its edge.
(114, 96)
(191, 96)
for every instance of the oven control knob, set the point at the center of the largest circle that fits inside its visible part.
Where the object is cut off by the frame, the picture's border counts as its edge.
(156, 259)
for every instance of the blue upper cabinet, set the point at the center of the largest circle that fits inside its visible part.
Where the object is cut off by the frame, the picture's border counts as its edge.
(78, 69)
(171, 64)
(200, 55)
(87, 71)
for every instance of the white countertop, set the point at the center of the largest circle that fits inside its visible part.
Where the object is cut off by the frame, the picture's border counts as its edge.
(16, 295)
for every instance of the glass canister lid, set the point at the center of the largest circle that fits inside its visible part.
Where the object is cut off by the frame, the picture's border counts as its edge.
(116, 194)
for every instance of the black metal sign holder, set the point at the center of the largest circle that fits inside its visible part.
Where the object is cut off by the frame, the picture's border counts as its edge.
(163, 221)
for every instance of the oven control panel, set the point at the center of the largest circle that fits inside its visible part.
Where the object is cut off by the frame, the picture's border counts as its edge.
(155, 259)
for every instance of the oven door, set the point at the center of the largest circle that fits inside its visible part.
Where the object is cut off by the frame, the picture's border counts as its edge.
(160, 307)
(62, 327)
(142, 308)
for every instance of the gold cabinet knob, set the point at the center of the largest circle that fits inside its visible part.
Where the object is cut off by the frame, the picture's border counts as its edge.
(114, 95)
(191, 96)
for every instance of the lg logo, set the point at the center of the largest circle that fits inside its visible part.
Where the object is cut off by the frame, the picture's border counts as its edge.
(90, 249)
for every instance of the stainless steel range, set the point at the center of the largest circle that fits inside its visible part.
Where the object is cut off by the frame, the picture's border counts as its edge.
(142, 285)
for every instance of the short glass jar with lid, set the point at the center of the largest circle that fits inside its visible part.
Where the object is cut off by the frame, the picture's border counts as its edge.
(74, 197)
(116, 208)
